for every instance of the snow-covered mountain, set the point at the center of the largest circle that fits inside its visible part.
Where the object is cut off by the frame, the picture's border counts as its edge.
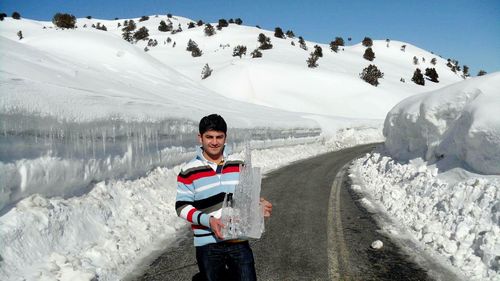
(86, 53)
(93, 129)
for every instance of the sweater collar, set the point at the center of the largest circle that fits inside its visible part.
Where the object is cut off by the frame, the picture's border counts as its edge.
(200, 156)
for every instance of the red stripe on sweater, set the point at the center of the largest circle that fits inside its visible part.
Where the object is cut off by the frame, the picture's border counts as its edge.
(194, 226)
(195, 176)
(231, 169)
(190, 214)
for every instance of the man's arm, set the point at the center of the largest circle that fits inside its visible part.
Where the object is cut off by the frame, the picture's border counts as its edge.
(184, 205)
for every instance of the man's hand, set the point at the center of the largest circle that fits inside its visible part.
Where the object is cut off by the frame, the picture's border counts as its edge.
(216, 225)
(267, 207)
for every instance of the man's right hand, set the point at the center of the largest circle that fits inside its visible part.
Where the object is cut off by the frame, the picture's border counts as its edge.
(216, 225)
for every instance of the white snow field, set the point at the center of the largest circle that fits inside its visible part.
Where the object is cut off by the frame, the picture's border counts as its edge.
(93, 130)
(438, 179)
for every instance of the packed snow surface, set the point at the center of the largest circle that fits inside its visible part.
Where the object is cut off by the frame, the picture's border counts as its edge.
(457, 222)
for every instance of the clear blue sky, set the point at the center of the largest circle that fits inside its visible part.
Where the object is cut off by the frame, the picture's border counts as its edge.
(465, 30)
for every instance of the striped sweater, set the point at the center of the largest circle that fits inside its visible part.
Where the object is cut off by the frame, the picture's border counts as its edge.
(201, 188)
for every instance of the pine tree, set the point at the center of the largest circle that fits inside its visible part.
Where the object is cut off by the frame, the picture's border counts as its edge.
(339, 41)
(302, 43)
(256, 53)
(199, 23)
(466, 71)
(318, 51)
(415, 60)
(481, 73)
(191, 25)
(152, 43)
(290, 34)
(367, 42)
(238, 21)
(432, 74)
(143, 18)
(141, 34)
(433, 61)
(334, 47)
(129, 26)
(453, 65)
(2, 16)
(369, 54)
(418, 78)
(312, 60)
(16, 16)
(278, 33)
(209, 30)
(239, 51)
(371, 74)
(179, 28)
(265, 42)
(127, 36)
(206, 71)
(64, 20)
(163, 27)
(403, 48)
(193, 48)
(222, 23)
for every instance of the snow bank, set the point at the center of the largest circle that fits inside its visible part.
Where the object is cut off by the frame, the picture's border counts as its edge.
(105, 233)
(458, 125)
(457, 222)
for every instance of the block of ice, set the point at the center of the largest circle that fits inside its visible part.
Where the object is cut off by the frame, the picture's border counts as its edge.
(242, 214)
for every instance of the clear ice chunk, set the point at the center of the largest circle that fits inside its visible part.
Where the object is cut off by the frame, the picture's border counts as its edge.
(242, 214)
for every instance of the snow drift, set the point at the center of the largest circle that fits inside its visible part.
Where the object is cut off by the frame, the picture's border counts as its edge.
(458, 125)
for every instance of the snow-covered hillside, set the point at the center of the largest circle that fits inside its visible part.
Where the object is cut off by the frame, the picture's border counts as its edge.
(315, 91)
(93, 129)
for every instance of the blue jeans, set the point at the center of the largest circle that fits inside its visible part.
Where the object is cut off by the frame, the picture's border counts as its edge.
(226, 261)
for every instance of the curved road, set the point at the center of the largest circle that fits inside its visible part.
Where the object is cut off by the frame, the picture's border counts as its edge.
(317, 231)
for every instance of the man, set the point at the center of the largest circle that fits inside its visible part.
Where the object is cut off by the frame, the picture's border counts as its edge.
(202, 185)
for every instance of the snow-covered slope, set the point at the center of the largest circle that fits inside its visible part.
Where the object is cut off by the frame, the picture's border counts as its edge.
(87, 74)
(333, 88)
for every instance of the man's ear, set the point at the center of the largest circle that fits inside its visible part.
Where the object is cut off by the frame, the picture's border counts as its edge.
(199, 139)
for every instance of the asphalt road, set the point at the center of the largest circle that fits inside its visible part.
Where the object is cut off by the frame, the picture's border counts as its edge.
(317, 231)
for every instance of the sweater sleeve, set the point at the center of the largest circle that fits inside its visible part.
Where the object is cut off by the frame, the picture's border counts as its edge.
(184, 204)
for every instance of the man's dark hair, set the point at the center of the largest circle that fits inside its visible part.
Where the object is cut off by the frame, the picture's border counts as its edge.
(213, 122)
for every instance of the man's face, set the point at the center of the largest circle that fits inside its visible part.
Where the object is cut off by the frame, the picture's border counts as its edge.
(212, 143)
